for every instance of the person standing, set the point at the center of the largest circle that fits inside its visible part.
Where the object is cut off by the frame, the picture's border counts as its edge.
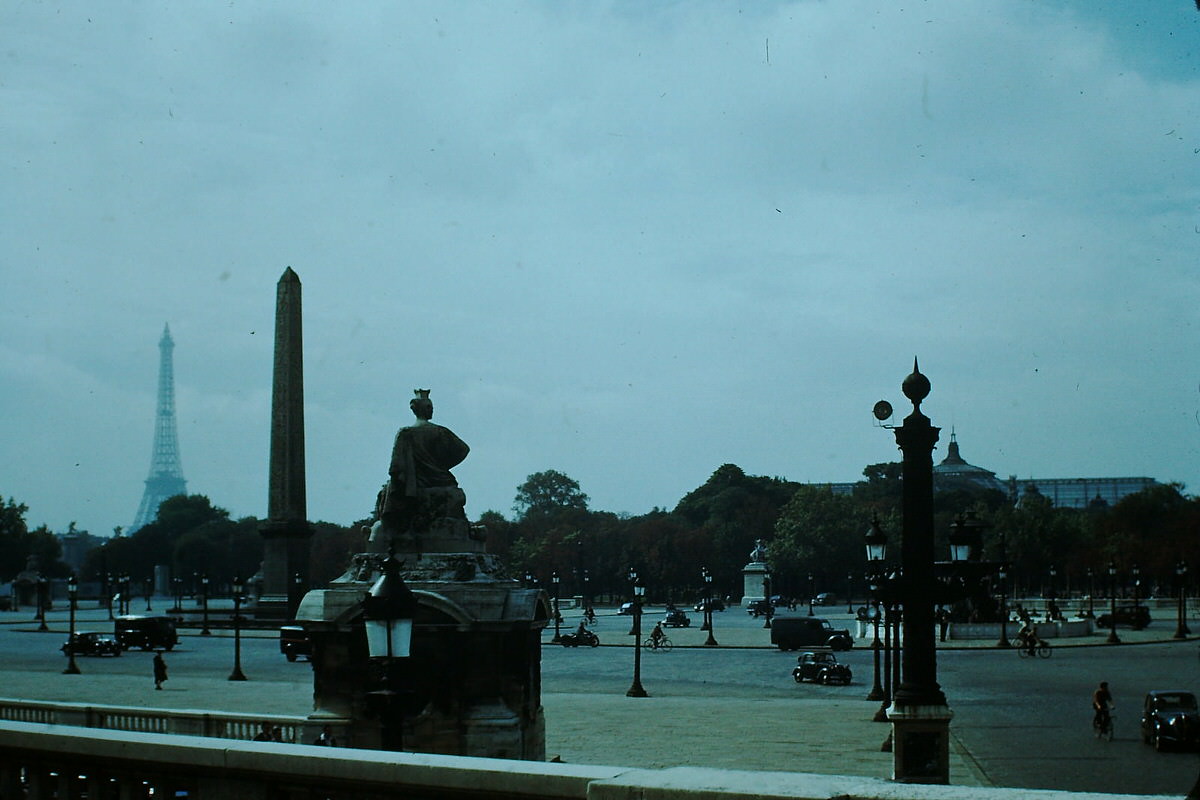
(160, 669)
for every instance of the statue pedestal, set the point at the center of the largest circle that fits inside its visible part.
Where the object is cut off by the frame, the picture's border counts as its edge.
(754, 582)
(471, 685)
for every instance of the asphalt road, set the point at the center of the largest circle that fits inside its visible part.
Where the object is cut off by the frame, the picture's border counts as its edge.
(1026, 723)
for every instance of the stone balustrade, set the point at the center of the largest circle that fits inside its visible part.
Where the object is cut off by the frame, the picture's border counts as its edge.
(40, 761)
(215, 724)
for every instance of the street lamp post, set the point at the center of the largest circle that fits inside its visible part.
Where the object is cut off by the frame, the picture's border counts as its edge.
(1091, 576)
(72, 596)
(639, 591)
(237, 674)
(147, 589)
(43, 595)
(557, 616)
(1112, 598)
(388, 612)
(919, 713)
(770, 606)
(711, 641)
(1181, 628)
(177, 588)
(876, 542)
(204, 603)
(1003, 575)
(108, 593)
(812, 590)
(1136, 572)
(849, 592)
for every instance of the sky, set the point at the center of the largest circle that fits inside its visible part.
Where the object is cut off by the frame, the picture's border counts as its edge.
(627, 241)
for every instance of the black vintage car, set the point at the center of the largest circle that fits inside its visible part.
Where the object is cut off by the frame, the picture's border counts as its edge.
(1136, 617)
(91, 643)
(294, 642)
(820, 668)
(675, 618)
(1171, 720)
(715, 604)
(148, 633)
(794, 632)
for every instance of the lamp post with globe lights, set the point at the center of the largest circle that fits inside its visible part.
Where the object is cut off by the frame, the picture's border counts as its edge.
(876, 542)
(711, 641)
(204, 599)
(1112, 599)
(639, 591)
(554, 579)
(72, 597)
(1181, 628)
(388, 612)
(237, 674)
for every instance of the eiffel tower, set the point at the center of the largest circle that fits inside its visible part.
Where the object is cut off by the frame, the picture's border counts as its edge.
(166, 475)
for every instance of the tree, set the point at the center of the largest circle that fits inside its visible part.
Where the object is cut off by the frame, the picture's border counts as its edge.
(547, 493)
(18, 543)
(818, 533)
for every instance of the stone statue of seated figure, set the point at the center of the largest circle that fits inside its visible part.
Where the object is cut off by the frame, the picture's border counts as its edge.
(421, 495)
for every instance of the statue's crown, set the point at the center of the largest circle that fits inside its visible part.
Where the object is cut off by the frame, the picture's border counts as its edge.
(421, 394)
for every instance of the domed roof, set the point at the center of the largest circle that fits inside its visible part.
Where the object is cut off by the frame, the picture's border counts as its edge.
(954, 469)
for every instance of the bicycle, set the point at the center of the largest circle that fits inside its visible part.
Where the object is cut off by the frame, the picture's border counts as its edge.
(1103, 726)
(1039, 648)
(663, 645)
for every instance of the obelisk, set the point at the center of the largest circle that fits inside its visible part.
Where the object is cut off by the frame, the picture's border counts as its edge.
(286, 531)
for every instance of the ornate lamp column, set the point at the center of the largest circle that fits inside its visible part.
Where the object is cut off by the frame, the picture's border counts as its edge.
(1112, 599)
(388, 612)
(708, 604)
(1136, 571)
(43, 598)
(770, 606)
(812, 590)
(237, 674)
(72, 596)
(1091, 576)
(148, 589)
(1181, 628)
(639, 591)
(557, 616)
(919, 713)
(204, 597)
(1003, 575)
(849, 592)
(876, 548)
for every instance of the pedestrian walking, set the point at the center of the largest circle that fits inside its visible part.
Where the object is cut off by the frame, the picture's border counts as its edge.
(160, 669)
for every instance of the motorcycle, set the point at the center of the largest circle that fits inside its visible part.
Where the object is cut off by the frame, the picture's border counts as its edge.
(577, 639)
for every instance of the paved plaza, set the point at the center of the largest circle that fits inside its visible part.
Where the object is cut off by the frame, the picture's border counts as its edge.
(589, 718)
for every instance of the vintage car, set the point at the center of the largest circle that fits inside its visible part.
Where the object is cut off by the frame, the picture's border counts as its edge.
(1136, 617)
(757, 608)
(625, 609)
(1171, 720)
(794, 632)
(294, 642)
(820, 668)
(715, 604)
(148, 633)
(675, 618)
(92, 643)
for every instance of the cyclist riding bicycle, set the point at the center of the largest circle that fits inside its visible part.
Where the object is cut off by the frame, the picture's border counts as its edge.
(1027, 638)
(1102, 704)
(657, 635)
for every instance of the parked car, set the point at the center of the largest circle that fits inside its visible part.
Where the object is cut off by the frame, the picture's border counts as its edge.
(148, 633)
(756, 608)
(825, 599)
(92, 643)
(716, 604)
(792, 633)
(675, 618)
(1136, 617)
(820, 668)
(626, 608)
(1171, 719)
(294, 642)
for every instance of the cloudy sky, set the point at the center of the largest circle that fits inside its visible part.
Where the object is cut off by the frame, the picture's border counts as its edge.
(628, 241)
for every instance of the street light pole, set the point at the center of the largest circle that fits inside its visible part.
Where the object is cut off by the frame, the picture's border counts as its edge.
(876, 542)
(1136, 571)
(1091, 576)
(148, 585)
(1112, 598)
(72, 595)
(711, 641)
(770, 606)
(237, 674)
(204, 599)
(557, 616)
(43, 591)
(1181, 628)
(1003, 574)
(812, 589)
(635, 688)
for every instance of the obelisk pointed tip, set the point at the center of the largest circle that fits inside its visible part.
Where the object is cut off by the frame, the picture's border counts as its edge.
(289, 275)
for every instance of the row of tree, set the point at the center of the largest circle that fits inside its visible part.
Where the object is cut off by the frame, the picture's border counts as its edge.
(814, 536)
